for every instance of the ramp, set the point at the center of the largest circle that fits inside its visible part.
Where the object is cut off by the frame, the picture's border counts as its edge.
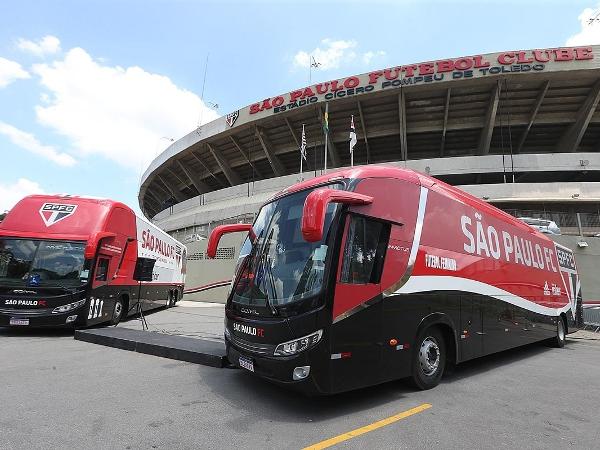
(198, 351)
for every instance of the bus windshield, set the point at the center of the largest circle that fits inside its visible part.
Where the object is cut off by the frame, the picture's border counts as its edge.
(280, 267)
(32, 262)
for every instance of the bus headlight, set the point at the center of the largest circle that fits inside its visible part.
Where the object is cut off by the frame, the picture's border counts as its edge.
(298, 345)
(70, 307)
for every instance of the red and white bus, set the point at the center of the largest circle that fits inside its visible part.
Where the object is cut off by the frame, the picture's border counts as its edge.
(77, 261)
(376, 273)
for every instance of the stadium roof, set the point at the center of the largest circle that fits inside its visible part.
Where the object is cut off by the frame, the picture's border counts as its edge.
(521, 102)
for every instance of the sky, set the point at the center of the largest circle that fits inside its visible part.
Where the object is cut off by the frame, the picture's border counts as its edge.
(91, 92)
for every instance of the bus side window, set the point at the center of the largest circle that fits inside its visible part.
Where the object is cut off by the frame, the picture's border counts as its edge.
(364, 251)
(102, 269)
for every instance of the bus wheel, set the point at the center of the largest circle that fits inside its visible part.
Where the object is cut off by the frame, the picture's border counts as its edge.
(559, 339)
(429, 359)
(118, 311)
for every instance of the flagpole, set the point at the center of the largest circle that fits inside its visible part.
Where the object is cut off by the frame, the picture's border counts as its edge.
(351, 150)
(326, 134)
(301, 156)
(302, 152)
(301, 179)
(352, 140)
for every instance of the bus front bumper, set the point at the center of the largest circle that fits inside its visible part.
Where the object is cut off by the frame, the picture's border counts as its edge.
(278, 370)
(19, 319)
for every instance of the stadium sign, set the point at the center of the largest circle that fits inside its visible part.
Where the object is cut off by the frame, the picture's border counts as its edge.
(478, 66)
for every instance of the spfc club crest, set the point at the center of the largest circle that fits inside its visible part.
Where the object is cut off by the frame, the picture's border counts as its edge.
(232, 117)
(55, 212)
(568, 272)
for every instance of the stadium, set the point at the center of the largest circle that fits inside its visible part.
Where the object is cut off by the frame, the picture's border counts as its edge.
(519, 129)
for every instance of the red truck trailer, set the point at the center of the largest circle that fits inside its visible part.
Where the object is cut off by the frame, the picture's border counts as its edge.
(376, 273)
(77, 261)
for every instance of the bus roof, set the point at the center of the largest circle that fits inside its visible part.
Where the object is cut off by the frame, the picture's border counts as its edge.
(411, 176)
(58, 217)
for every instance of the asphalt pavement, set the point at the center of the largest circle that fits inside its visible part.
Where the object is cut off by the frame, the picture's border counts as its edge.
(192, 319)
(60, 393)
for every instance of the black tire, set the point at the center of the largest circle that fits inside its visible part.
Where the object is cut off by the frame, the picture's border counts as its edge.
(118, 311)
(561, 333)
(429, 359)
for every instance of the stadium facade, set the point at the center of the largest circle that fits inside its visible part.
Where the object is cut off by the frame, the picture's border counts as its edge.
(519, 129)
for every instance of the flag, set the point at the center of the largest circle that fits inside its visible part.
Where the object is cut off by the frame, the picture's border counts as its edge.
(326, 120)
(352, 135)
(303, 144)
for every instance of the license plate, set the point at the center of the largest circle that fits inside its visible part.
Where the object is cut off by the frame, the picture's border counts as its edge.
(20, 322)
(247, 364)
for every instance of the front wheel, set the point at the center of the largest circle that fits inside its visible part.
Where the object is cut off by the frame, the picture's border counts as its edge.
(429, 359)
(118, 311)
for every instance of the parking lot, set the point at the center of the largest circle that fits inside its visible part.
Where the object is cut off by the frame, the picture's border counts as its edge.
(58, 392)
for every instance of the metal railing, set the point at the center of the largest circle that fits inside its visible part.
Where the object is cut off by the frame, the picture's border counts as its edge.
(568, 222)
(202, 231)
(591, 318)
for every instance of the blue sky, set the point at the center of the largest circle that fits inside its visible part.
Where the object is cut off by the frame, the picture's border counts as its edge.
(91, 91)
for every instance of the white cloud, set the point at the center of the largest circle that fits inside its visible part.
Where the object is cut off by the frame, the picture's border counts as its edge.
(48, 45)
(12, 193)
(333, 54)
(28, 142)
(367, 57)
(589, 34)
(10, 71)
(120, 113)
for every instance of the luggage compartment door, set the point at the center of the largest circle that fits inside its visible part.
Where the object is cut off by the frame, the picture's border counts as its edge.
(471, 333)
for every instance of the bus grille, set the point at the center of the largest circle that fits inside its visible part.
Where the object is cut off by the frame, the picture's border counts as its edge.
(26, 312)
(252, 347)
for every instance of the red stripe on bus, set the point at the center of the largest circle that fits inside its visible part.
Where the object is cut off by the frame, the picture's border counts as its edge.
(207, 287)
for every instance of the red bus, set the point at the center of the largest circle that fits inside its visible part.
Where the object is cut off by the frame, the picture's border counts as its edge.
(376, 273)
(76, 261)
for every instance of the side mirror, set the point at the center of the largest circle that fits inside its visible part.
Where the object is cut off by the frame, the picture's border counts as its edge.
(218, 232)
(94, 241)
(315, 209)
(143, 269)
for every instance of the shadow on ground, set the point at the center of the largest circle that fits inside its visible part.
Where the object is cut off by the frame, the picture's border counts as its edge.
(254, 396)
(36, 332)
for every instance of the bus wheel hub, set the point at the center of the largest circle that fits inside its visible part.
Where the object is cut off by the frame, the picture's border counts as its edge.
(429, 356)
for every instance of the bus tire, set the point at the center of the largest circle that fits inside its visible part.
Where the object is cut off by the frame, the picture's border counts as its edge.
(429, 358)
(118, 311)
(561, 332)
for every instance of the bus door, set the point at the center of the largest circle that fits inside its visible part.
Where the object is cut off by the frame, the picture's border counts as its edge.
(356, 332)
(100, 309)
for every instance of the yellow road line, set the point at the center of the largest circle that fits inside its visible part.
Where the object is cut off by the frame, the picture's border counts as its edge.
(371, 427)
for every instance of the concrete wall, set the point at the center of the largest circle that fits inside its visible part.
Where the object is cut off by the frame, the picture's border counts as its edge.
(247, 198)
(201, 272)
(588, 263)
